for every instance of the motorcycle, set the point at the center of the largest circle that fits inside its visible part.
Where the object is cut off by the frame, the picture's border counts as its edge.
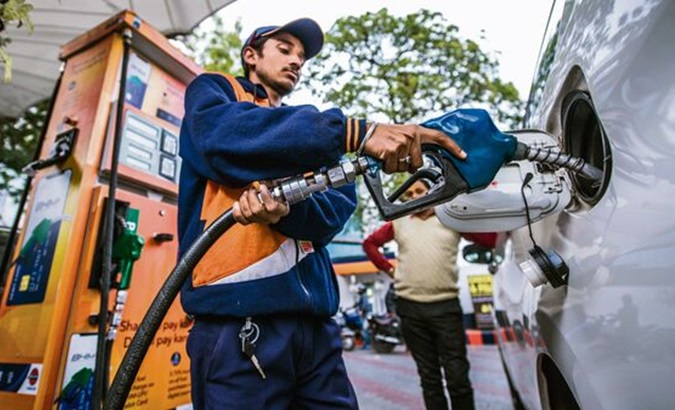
(351, 325)
(385, 332)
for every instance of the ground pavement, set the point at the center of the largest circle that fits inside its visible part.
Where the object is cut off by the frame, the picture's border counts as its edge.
(390, 381)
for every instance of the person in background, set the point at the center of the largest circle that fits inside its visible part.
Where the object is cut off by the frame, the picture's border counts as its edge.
(425, 282)
(264, 294)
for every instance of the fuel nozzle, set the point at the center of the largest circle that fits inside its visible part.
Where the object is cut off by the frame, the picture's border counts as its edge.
(488, 151)
(443, 177)
(472, 129)
(126, 250)
(446, 183)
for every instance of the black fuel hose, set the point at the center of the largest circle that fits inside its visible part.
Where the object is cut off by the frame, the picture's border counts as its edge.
(103, 343)
(131, 362)
(291, 191)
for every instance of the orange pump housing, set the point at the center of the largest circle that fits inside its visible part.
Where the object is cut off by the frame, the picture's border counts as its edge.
(47, 337)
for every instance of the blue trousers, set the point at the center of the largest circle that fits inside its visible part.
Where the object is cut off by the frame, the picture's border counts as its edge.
(301, 358)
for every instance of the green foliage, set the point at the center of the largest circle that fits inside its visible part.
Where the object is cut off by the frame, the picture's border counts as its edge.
(12, 11)
(18, 142)
(216, 49)
(407, 70)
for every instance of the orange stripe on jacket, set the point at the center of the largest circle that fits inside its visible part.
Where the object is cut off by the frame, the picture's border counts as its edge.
(242, 245)
(355, 138)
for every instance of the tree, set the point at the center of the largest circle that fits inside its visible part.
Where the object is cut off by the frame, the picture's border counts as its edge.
(12, 11)
(407, 70)
(18, 143)
(215, 49)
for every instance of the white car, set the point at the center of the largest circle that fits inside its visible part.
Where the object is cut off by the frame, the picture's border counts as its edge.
(588, 321)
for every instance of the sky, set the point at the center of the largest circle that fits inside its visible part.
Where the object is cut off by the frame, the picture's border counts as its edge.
(512, 28)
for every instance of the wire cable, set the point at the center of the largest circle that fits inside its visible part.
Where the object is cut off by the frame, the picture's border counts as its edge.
(526, 180)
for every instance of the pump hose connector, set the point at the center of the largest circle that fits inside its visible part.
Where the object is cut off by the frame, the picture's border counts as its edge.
(297, 189)
(557, 158)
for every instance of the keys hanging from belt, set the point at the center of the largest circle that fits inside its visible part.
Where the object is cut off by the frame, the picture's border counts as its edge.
(248, 335)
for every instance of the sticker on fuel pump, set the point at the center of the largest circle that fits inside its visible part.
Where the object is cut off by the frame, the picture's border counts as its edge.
(20, 378)
(138, 75)
(34, 263)
(78, 377)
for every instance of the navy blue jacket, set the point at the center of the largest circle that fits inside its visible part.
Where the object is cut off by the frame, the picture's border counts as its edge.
(229, 138)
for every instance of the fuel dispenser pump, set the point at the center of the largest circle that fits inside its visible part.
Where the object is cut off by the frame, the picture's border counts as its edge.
(126, 250)
(111, 144)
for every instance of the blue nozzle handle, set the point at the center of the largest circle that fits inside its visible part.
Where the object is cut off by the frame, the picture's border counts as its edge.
(487, 147)
(473, 130)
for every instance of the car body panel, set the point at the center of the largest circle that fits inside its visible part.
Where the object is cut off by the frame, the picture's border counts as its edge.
(610, 332)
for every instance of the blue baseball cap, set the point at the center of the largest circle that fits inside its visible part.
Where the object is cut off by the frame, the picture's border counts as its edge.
(306, 30)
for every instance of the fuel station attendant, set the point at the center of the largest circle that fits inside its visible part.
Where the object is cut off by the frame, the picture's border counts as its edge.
(264, 294)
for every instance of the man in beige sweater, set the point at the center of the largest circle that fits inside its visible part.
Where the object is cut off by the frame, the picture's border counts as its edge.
(426, 289)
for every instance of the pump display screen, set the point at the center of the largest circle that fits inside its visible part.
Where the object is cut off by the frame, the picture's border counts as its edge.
(149, 148)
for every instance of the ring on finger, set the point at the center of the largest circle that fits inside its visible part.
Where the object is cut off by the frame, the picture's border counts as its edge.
(405, 159)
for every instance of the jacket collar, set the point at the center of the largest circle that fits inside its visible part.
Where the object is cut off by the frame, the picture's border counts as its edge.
(256, 89)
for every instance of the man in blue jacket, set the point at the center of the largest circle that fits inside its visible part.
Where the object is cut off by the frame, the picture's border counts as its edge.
(264, 294)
